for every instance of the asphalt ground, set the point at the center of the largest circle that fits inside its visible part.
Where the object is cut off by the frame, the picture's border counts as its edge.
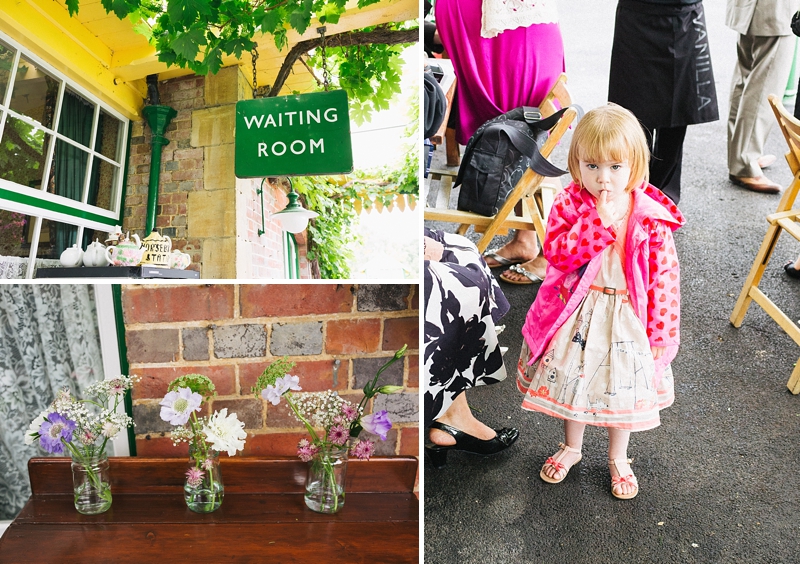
(718, 477)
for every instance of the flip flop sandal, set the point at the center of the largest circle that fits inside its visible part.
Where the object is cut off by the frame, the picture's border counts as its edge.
(531, 277)
(502, 261)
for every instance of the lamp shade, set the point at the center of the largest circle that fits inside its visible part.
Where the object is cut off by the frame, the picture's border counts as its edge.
(294, 217)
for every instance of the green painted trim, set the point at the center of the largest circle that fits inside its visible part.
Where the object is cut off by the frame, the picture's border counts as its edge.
(54, 207)
(124, 193)
(116, 292)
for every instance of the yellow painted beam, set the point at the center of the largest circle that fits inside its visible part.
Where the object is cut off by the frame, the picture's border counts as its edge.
(45, 28)
(140, 61)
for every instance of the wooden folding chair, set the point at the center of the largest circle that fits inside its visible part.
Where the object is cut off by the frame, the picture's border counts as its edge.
(783, 219)
(534, 190)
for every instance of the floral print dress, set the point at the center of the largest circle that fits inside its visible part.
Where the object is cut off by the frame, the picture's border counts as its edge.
(598, 368)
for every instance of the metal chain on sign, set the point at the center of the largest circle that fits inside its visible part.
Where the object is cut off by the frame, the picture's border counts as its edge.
(321, 31)
(255, 81)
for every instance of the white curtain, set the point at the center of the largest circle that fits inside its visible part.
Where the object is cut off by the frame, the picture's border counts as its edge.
(48, 341)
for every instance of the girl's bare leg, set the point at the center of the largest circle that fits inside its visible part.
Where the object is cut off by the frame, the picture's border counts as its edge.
(573, 438)
(618, 449)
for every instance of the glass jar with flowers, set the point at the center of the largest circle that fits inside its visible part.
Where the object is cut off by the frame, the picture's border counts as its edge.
(203, 489)
(334, 425)
(82, 428)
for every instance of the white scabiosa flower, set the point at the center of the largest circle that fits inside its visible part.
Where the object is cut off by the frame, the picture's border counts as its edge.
(225, 432)
(33, 429)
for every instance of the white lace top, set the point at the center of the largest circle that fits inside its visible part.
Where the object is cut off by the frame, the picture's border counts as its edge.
(500, 15)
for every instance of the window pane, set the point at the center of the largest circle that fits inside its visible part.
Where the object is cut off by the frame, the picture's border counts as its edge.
(22, 153)
(35, 93)
(69, 170)
(16, 230)
(103, 186)
(109, 130)
(77, 115)
(6, 59)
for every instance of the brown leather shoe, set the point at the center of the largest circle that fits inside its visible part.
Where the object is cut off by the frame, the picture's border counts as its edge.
(766, 160)
(759, 184)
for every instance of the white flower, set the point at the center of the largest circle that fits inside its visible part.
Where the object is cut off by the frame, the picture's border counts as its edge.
(34, 427)
(225, 432)
(177, 406)
(110, 430)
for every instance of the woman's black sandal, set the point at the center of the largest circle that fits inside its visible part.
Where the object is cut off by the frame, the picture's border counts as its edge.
(791, 270)
(467, 443)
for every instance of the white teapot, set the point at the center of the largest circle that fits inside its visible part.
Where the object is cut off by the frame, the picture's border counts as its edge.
(96, 254)
(72, 256)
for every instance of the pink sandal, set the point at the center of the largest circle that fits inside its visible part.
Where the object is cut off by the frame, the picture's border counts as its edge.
(555, 462)
(620, 480)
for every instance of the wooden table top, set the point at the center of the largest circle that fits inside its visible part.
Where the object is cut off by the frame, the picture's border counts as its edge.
(263, 517)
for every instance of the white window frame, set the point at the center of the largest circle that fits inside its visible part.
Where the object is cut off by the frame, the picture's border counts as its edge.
(109, 348)
(37, 202)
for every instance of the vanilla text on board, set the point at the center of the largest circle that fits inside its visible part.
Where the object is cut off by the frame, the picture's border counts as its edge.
(302, 134)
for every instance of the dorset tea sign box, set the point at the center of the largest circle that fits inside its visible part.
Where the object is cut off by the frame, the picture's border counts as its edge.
(303, 134)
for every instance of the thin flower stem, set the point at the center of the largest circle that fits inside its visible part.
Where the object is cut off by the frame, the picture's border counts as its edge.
(315, 438)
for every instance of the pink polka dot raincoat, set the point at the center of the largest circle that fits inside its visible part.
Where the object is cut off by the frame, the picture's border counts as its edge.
(573, 246)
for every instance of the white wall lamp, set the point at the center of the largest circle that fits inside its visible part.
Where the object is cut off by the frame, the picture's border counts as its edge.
(294, 217)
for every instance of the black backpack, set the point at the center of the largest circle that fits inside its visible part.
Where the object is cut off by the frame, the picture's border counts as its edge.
(497, 155)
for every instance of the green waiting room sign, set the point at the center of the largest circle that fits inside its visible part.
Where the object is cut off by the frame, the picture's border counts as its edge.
(304, 134)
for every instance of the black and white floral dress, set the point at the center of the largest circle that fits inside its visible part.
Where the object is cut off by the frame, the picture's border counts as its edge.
(462, 304)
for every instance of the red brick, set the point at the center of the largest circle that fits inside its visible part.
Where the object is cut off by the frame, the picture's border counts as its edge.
(154, 381)
(177, 303)
(273, 444)
(281, 417)
(413, 371)
(349, 336)
(399, 332)
(415, 298)
(315, 375)
(160, 447)
(409, 441)
(296, 299)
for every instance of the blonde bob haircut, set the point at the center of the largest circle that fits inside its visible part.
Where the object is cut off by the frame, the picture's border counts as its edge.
(610, 133)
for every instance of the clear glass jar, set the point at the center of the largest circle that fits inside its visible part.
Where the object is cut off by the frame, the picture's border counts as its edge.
(91, 484)
(203, 489)
(325, 480)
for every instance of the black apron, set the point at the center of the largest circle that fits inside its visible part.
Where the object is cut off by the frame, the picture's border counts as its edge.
(661, 64)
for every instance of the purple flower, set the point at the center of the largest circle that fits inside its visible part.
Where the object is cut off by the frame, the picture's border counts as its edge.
(377, 423)
(194, 477)
(177, 406)
(282, 385)
(363, 449)
(55, 428)
(338, 435)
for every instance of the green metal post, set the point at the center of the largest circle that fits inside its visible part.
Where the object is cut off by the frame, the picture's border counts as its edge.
(158, 117)
(116, 292)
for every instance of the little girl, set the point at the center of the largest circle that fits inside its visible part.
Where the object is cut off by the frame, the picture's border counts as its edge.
(603, 329)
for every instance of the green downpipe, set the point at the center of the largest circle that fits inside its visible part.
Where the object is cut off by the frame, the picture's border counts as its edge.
(158, 117)
(116, 292)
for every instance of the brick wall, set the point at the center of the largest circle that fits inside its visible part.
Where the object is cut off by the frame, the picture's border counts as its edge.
(339, 335)
(181, 168)
(202, 206)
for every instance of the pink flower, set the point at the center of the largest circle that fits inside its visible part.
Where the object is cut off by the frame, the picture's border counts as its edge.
(194, 476)
(350, 412)
(338, 435)
(208, 464)
(306, 451)
(363, 449)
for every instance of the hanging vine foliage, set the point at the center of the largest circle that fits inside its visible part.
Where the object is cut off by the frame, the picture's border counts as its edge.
(197, 34)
